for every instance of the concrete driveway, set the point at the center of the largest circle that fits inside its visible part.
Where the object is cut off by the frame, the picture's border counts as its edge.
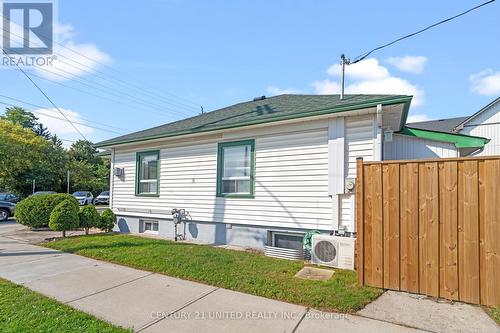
(150, 302)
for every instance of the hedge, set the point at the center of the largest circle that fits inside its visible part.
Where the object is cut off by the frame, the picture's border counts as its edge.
(89, 218)
(108, 220)
(34, 211)
(64, 216)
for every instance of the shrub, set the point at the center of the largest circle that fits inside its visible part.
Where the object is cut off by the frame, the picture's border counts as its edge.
(34, 211)
(89, 218)
(108, 220)
(64, 216)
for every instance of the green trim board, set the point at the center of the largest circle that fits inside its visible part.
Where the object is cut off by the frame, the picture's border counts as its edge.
(138, 156)
(220, 160)
(272, 109)
(459, 140)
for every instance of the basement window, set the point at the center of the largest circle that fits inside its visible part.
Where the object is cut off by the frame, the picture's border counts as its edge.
(235, 169)
(150, 227)
(286, 240)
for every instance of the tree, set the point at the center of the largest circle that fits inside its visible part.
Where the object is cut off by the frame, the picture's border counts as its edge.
(108, 220)
(84, 151)
(64, 216)
(20, 116)
(43, 131)
(22, 152)
(89, 218)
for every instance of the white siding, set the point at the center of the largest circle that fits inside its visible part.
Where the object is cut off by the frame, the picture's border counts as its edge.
(291, 186)
(487, 125)
(359, 141)
(404, 147)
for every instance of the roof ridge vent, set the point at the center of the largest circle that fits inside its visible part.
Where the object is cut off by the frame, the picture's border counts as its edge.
(259, 98)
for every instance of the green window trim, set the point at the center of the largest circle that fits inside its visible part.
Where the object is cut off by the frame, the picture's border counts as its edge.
(220, 159)
(138, 157)
(459, 140)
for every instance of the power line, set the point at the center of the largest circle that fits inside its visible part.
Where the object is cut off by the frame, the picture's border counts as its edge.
(52, 110)
(363, 56)
(76, 122)
(119, 95)
(47, 97)
(136, 87)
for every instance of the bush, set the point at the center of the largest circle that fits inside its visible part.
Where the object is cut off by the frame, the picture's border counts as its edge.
(89, 218)
(64, 216)
(34, 211)
(108, 220)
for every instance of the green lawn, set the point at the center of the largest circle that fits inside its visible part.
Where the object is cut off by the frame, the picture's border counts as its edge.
(236, 270)
(22, 310)
(494, 313)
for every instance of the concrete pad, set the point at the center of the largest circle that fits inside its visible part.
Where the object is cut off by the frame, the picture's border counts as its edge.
(10, 226)
(428, 314)
(48, 265)
(314, 273)
(229, 311)
(138, 303)
(72, 285)
(317, 322)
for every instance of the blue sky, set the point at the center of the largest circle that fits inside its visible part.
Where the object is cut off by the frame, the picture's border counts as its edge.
(216, 53)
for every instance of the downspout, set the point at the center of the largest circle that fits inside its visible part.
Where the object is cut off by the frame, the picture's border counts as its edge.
(111, 178)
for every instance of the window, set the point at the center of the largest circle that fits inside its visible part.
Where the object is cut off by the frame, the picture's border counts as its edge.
(235, 169)
(150, 227)
(147, 174)
(286, 240)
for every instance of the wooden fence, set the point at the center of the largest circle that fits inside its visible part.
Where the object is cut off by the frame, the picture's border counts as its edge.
(430, 227)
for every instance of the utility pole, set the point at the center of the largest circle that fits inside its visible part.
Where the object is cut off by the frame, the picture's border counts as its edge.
(33, 186)
(67, 180)
(343, 61)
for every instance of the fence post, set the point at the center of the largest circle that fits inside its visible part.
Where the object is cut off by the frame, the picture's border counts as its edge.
(360, 266)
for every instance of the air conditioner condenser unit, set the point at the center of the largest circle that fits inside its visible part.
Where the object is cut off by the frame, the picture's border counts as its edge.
(333, 251)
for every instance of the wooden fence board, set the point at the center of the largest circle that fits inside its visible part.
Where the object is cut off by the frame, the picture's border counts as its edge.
(409, 227)
(468, 231)
(428, 229)
(489, 179)
(373, 246)
(448, 229)
(360, 225)
(391, 225)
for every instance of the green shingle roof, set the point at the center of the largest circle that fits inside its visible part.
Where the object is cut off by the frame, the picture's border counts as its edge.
(276, 108)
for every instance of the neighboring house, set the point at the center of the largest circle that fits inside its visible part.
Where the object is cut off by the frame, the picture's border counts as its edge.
(485, 123)
(256, 173)
(476, 135)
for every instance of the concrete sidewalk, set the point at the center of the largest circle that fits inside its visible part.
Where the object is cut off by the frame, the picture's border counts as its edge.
(150, 302)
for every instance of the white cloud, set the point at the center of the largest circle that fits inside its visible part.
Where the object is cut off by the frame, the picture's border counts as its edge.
(411, 64)
(418, 117)
(56, 124)
(486, 82)
(72, 59)
(273, 90)
(369, 77)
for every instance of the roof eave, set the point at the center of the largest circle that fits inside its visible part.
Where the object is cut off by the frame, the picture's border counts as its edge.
(458, 140)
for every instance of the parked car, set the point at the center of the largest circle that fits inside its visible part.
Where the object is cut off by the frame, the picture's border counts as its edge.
(102, 198)
(10, 197)
(44, 192)
(84, 197)
(6, 210)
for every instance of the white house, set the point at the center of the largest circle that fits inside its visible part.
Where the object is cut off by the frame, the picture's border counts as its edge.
(258, 173)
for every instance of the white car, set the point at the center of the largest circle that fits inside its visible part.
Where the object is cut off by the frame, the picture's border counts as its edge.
(102, 198)
(84, 197)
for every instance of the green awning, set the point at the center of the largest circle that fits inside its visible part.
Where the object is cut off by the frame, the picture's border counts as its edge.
(459, 140)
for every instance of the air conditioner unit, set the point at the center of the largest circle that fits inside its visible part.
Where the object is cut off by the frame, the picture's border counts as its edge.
(333, 251)
(118, 172)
